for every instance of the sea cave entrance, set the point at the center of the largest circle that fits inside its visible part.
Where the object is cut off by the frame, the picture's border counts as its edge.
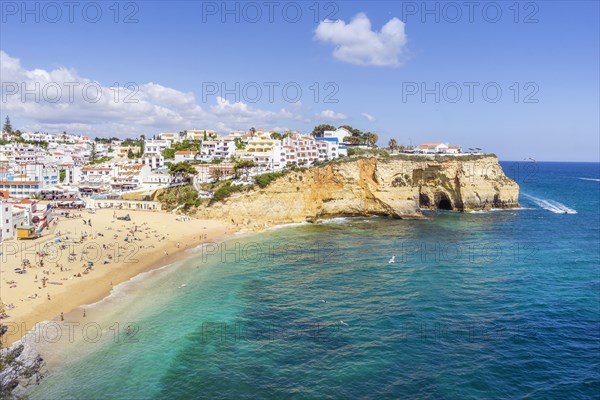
(424, 200)
(443, 202)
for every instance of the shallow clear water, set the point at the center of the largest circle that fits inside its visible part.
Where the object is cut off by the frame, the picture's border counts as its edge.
(501, 304)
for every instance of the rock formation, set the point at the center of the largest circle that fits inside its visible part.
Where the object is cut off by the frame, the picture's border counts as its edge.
(397, 186)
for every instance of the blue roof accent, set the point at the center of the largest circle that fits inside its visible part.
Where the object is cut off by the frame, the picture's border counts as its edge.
(327, 139)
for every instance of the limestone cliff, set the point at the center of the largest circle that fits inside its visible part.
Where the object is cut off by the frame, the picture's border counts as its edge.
(396, 186)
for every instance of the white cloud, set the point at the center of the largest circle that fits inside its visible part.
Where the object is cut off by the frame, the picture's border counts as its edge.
(357, 44)
(155, 108)
(369, 117)
(330, 114)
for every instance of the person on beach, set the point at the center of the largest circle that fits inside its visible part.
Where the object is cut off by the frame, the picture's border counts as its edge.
(62, 316)
(84, 313)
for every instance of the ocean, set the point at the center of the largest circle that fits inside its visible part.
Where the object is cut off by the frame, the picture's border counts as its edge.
(500, 304)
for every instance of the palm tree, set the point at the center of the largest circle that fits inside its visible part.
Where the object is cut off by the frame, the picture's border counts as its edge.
(217, 173)
(393, 144)
(370, 138)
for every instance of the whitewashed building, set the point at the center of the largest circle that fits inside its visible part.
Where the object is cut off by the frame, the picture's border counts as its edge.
(437, 148)
(155, 147)
(185, 155)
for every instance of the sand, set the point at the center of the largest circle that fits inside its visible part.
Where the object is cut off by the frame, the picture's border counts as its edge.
(154, 240)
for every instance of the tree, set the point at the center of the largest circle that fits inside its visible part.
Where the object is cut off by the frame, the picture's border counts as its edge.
(319, 130)
(142, 144)
(182, 170)
(370, 139)
(93, 154)
(393, 144)
(7, 126)
(62, 174)
(244, 165)
(252, 131)
(239, 143)
(276, 136)
(217, 173)
(14, 371)
(130, 154)
(355, 132)
(353, 139)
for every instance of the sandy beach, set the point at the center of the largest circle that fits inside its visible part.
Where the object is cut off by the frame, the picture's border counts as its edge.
(78, 260)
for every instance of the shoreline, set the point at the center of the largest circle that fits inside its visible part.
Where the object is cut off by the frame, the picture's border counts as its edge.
(98, 287)
(169, 244)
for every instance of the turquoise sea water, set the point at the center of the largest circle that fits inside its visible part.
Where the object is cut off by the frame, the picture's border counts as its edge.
(501, 304)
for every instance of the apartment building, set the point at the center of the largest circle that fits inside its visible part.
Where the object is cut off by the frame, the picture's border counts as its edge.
(11, 217)
(300, 149)
(27, 180)
(268, 154)
(129, 176)
(155, 147)
(221, 149)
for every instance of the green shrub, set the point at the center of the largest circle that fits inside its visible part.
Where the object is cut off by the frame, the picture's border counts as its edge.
(265, 179)
(367, 152)
(226, 190)
(184, 195)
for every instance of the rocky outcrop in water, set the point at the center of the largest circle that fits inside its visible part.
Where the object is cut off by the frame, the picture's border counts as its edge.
(397, 186)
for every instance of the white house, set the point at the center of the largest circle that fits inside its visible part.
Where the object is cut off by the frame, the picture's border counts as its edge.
(172, 137)
(339, 134)
(199, 134)
(12, 216)
(185, 155)
(437, 148)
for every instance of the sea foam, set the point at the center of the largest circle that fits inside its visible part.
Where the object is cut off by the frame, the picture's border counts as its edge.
(551, 205)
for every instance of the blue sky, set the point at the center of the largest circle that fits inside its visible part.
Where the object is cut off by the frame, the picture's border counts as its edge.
(182, 54)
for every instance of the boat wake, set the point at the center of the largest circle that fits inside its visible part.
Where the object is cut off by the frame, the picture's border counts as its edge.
(590, 179)
(551, 205)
